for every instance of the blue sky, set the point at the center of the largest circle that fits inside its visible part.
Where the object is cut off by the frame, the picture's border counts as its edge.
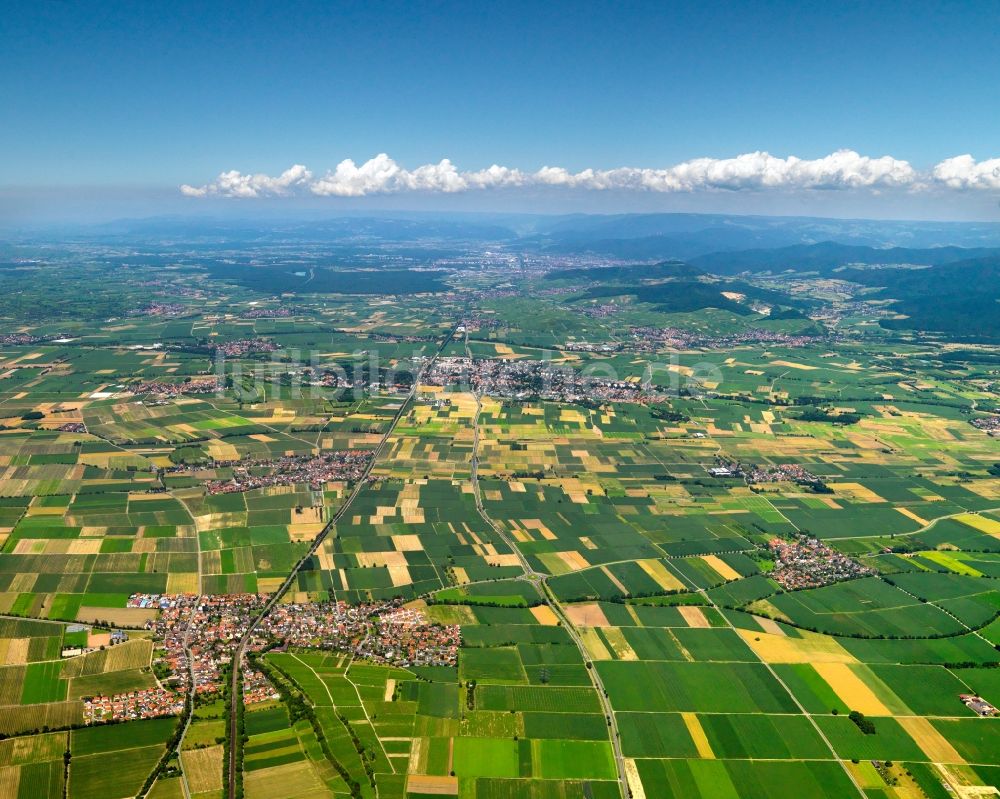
(109, 99)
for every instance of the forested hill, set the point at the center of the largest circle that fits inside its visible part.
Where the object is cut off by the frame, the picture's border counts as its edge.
(828, 256)
(961, 298)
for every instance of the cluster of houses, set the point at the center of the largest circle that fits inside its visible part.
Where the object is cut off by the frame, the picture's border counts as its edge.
(781, 473)
(197, 636)
(978, 705)
(245, 346)
(161, 389)
(403, 637)
(479, 321)
(769, 473)
(161, 309)
(212, 625)
(148, 703)
(317, 471)
(207, 627)
(806, 562)
(266, 313)
(590, 346)
(989, 424)
(382, 632)
(256, 687)
(528, 379)
(18, 339)
(602, 310)
(654, 338)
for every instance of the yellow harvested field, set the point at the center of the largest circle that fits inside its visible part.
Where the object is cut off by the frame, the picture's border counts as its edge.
(216, 521)
(981, 523)
(717, 564)
(418, 756)
(574, 560)
(851, 689)
(221, 451)
(697, 733)
(594, 645)
(17, 652)
(587, 614)
(632, 778)
(536, 524)
(368, 559)
(31, 546)
(291, 779)
(909, 514)
(793, 365)
(305, 531)
(42, 510)
(931, 742)
(502, 560)
(135, 654)
(693, 616)
(126, 617)
(660, 574)
(23, 582)
(769, 625)
(433, 786)
(782, 648)
(400, 575)
(407, 543)
(308, 515)
(856, 491)
(268, 585)
(10, 779)
(182, 583)
(203, 768)
(545, 615)
(325, 558)
(986, 488)
(623, 650)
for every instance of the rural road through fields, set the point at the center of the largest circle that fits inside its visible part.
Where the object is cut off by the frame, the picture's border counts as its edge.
(539, 580)
(317, 542)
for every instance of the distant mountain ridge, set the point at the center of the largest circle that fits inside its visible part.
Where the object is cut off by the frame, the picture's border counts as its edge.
(827, 256)
(649, 236)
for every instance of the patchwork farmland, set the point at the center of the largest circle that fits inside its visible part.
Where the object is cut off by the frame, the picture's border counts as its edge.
(371, 552)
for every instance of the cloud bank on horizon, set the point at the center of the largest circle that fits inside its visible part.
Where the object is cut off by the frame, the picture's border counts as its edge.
(758, 171)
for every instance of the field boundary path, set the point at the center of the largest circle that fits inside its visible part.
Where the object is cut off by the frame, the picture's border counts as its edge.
(538, 579)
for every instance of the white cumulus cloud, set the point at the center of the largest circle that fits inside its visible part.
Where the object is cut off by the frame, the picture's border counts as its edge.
(964, 172)
(758, 171)
(382, 175)
(236, 184)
